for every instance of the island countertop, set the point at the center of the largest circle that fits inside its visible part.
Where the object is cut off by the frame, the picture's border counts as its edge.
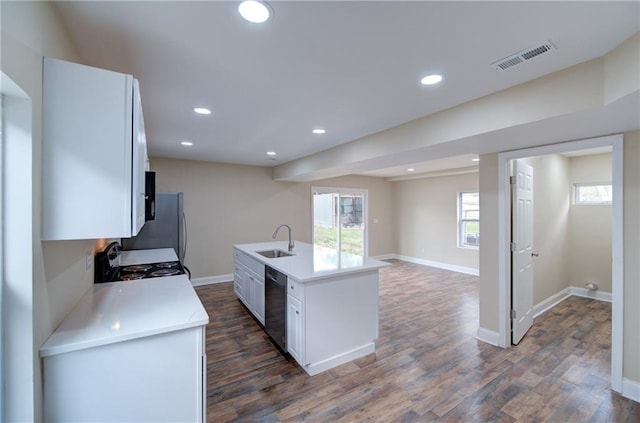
(311, 262)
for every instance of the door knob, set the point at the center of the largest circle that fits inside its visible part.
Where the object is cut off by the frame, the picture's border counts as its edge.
(534, 254)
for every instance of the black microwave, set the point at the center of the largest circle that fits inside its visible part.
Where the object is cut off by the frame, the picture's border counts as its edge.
(149, 196)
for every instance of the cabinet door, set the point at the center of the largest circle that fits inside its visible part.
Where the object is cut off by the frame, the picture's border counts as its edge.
(258, 298)
(139, 162)
(86, 152)
(294, 329)
(245, 288)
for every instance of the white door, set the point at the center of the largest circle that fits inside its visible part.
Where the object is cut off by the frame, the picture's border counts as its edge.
(521, 251)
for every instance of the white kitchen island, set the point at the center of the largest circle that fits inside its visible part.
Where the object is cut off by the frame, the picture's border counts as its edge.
(332, 300)
(129, 351)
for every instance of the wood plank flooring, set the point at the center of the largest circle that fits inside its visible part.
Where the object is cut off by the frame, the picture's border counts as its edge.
(428, 366)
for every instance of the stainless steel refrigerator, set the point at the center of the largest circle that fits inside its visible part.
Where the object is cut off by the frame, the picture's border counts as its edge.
(168, 230)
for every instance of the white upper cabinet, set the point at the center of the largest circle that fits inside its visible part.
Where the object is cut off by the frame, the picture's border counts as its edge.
(93, 153)
(139, 160)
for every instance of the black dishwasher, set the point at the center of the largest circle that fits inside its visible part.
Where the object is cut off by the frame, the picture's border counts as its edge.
(275, 307)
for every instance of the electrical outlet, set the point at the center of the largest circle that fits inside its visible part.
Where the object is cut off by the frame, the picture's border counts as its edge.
(89, 259)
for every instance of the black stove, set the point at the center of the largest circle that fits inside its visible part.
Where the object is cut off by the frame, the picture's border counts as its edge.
(108, 267)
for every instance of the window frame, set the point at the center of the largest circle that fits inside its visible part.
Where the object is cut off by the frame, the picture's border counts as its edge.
(462, 220)
(576, 196)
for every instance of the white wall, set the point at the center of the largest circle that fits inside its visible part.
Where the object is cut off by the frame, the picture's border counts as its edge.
(489, 251)
(55, 278)
(427, 219)
(232, 204)
(590, 226)
(17, 293)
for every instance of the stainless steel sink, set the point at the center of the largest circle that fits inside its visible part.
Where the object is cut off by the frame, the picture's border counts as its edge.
(274, 253)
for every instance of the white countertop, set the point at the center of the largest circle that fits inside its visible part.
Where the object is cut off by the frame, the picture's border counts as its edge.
(120, 311)
(157, 255)
(311, 262)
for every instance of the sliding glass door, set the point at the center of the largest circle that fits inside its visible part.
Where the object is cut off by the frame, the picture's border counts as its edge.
(339, 219)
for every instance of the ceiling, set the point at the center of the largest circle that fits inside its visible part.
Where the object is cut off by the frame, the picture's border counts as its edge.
(352, 68)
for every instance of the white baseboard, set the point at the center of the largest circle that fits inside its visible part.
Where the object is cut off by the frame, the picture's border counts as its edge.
(631, 389)
(596, 295)
(439, 265)
(212, 279)
(557, 298)
(488, 336)
(551, 302)
(315, 368)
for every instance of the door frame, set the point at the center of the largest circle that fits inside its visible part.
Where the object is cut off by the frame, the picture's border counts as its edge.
(365, 209)
(617, 241)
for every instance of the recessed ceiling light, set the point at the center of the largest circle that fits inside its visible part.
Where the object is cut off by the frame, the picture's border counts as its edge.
(411, 169)
(271, 153)
(202, 111)
(254, 11)
(187, 143)
(319, 131)
(476, 159)
(431, 79)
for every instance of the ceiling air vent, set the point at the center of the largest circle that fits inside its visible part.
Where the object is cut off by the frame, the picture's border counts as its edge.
(523, 55)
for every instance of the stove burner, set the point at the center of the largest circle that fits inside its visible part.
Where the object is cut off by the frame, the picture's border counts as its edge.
(108, 269)
(132, 276)
(167, 265)
(138, 268)
(165, 272)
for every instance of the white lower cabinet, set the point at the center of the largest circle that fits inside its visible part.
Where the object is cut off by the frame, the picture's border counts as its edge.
(238, 281)
(248, 283)
(257, 285)
(154, 378)
(294, 328)
(332, 321)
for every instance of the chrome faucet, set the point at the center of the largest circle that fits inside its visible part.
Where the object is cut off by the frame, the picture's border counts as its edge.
(275, 234)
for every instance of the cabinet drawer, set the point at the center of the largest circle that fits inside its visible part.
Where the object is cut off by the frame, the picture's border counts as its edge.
(294, 289)
(253, 264)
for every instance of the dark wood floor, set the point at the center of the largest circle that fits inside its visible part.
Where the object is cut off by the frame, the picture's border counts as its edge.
(428, 366)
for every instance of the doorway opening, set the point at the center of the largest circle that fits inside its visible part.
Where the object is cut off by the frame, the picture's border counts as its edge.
(504, 240)
(339, 219)
(569, 227)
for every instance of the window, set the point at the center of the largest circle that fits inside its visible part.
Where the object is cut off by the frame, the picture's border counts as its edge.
(469, 219)
(592, 193)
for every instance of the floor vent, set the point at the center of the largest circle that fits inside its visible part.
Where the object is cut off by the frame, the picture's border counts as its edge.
(522, 56)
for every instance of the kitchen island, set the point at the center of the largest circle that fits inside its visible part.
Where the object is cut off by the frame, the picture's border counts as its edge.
(331, 300)
(129, 351)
